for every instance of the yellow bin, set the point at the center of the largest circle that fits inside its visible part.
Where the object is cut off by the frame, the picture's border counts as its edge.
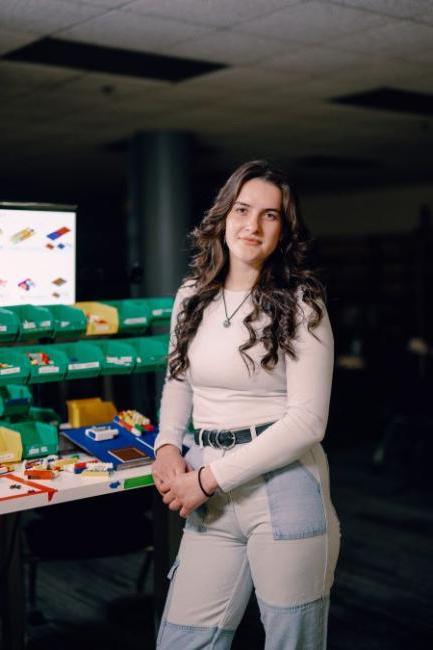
(86, 412)
(101, 318)
(11, 448)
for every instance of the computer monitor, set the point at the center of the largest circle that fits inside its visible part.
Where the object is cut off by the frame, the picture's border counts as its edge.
(37, 254)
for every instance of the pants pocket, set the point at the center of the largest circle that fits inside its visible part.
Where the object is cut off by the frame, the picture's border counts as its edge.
(295, 502)
(170, 575)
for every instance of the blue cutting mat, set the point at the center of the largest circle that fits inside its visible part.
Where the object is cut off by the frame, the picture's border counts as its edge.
(124, 438)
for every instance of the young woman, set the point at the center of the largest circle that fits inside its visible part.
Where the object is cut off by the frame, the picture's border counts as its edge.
(251, 358)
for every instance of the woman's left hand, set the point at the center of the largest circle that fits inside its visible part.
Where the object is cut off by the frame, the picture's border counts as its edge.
(185, 490)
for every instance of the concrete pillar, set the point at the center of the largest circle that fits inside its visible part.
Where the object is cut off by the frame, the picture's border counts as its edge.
(159, 209)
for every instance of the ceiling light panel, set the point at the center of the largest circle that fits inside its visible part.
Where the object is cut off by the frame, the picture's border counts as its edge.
(115, 61)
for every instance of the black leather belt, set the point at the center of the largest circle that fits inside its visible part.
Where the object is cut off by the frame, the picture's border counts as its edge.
(225, 439)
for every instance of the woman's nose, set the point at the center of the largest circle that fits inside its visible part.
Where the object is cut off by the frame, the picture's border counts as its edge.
(253, 223)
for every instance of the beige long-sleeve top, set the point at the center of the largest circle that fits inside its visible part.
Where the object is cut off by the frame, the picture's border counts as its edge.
(221, 394)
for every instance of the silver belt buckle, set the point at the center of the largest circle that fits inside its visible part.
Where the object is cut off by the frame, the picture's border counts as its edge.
(225, 445)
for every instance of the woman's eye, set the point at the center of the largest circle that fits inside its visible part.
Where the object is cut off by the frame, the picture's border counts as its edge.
(241, 210)
(271, 216)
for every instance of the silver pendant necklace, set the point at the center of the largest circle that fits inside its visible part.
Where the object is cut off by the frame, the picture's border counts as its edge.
(228, 318)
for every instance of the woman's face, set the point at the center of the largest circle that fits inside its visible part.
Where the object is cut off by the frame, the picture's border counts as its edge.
(253, 225)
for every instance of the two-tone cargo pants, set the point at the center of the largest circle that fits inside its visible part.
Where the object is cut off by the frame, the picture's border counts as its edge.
(278, 533)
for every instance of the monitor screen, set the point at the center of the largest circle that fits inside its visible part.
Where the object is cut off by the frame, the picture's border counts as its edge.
(37, 254)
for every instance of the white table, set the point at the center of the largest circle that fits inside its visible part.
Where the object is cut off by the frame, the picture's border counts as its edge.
(65, 488)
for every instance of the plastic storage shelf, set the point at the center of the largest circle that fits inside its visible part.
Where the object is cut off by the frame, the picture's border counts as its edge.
(67, 321)
(37, 438)
(119, 357)
(151, 351)
(46, 415)
(102, 319)
(9, 325)
(34, 322)
(134, 315)
(160, 308)
(83, 359)
(14, 367)
(49, 363)
(14, 400)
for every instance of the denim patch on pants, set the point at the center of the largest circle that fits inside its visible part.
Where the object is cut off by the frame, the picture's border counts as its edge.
(295, 502)
(303, 627)
(196, 520)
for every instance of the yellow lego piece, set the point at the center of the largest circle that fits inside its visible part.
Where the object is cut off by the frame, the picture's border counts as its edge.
(99, 474)
(101, 319)
(86, 412)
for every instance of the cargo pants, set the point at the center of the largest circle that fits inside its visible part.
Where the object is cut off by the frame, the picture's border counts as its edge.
(278, 534)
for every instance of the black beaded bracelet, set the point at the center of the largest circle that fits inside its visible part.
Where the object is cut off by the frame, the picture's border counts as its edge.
(201, 484)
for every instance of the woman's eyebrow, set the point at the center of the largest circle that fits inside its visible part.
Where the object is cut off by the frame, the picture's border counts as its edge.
(247, 205)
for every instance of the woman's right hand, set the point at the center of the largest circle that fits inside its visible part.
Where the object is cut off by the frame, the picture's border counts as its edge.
(168, 464)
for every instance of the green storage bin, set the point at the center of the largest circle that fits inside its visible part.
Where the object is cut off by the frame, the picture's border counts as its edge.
(9, 325)
(14, 366)
(151, 352)
(14, 400)
(134, 315)
(67, 321)
(54, 371)
(46, 415)
(83, 359)
(119, 357)
(160, 308)
(34, 322)
(38, 438)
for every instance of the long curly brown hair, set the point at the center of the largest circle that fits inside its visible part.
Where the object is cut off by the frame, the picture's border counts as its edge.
(283, 275)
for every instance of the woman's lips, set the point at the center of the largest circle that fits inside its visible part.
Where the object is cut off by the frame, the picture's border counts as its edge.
(250, 242)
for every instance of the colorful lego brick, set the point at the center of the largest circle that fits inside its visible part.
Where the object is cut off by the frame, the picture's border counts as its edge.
(101, 433)
(26, 284)
(39, 359)
(21, 235)
(42, 474)
(133, 421)
(58, 233)
(59, 281)
(92, 474)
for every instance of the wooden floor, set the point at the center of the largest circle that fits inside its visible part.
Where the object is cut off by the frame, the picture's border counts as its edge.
(382, 598)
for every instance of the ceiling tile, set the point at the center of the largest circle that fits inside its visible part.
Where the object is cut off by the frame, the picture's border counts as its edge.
(313, 22)
(18, 80)
(397, 8)
(107, 4)
(311, 60)
(12, 40)
(43, 16)
(129, 31)
(403, 39)
(426, 17)
(219, 13)
(229, 47)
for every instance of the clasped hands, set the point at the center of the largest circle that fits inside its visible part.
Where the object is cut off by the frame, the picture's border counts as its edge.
(178, 483)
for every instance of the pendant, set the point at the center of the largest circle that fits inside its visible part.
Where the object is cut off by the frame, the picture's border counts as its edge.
(226, 323)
